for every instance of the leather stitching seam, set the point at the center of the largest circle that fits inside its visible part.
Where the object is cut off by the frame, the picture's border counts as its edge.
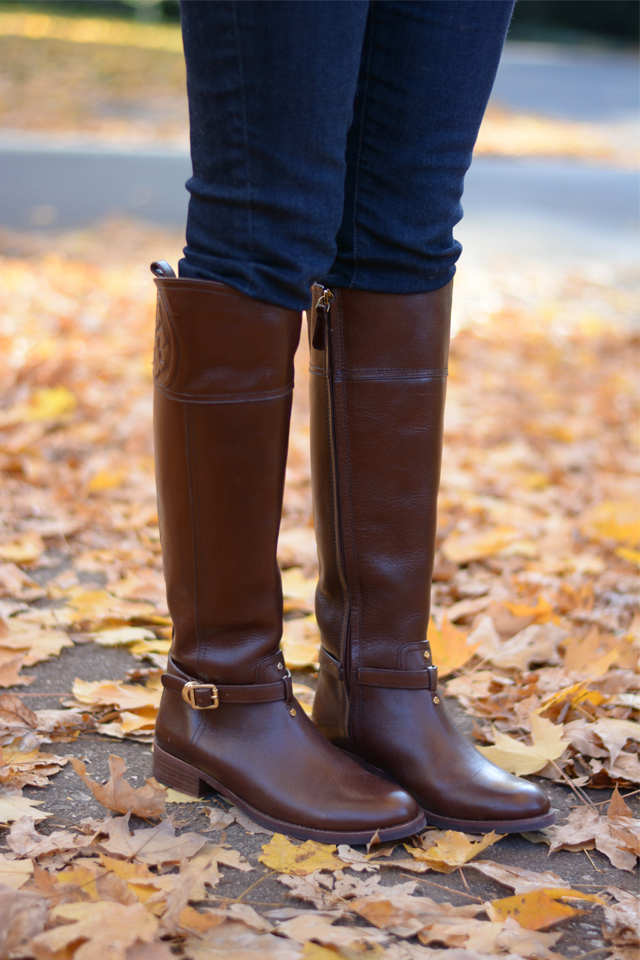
(276, 394)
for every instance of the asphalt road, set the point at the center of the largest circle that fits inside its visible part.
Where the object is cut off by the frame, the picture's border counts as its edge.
(540, 208)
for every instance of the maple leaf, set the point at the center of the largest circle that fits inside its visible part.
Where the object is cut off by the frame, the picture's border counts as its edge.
(298, 859)
(232, 938)
(464, 547)
(519, 879)
(14, 807)
(25, 840)
(23, 914)
(117, 794)
(533, 911)
(449, 647)
(150, 845)
(14, 873)
(405, 915)
(313, 925)
(444, 851)
(585, 829)
(521, 759)
(102, 928)
(621, 918)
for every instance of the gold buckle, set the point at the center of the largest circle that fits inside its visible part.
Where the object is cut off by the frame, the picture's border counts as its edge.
(189, 694)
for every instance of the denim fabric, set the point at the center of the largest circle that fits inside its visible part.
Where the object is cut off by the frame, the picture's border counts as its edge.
(330, 139)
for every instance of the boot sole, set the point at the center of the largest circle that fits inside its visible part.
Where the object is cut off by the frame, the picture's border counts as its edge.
(468, 826)
(175, 773)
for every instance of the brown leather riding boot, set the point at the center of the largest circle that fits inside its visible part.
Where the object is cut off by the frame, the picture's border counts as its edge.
(379, 366)
(223, 372)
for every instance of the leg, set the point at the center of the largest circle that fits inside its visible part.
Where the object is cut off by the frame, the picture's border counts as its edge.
(379, 362)
(271, 88)
(226, 333)
(425, 78)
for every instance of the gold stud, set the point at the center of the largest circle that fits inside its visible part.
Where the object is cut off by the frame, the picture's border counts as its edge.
(427, 655)
(280, 667)
(292, 711)
(436, 699)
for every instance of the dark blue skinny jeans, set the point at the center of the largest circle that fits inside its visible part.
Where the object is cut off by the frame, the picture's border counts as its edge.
(330, 140)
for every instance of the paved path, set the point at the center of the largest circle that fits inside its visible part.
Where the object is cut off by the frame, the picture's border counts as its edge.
(548, 209)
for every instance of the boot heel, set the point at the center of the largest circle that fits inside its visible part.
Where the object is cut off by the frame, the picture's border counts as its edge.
(175, 773)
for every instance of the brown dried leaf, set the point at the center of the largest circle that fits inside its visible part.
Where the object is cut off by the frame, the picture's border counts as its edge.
(117, 794)
(150, 844)
(23, 914)
(101, 928)
(585, 827)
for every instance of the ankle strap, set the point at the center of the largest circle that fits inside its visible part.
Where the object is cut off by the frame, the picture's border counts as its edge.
(209, 696)
(400, 679)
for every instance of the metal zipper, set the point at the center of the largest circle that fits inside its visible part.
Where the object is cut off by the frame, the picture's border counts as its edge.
(322, 319)
(322, 335)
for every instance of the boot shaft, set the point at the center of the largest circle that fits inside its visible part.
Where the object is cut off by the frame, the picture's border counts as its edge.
(378, 383)
(223, 372)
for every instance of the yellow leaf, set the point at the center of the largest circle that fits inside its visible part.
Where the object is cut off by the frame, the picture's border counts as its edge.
(576, 694)
(299, 859)
(12, 807)
(15, 873)
(122, 636)
(611, 520)
(541, 612)
(625, 553)
(26, 549)
(174, 796)
(300, 642)
(51, 403)
(566, 893)
(533, 911)
(106, 480)
(477, 544)
(125, 696)
(313, 951)
(449, 647)
(444, 851)
(521, 759)
(110, 927)
(93, 607)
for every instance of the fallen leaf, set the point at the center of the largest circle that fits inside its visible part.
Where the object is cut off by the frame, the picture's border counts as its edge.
(444, 851)
(298, 859)
(150, 845)
(14, 873)
(300, 642)
(449, 647)
(101, 928)
(522, 759)
(237, 941)
(25, 840)
(535, 910)
(117, 794)
(23, 915)
(14, 807)
(585, 828)
(462, 548)
(519, 879)
(318, 927)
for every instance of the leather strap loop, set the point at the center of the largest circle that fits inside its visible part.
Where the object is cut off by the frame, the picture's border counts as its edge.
(204, 696)
(400, 679)
(331, 665)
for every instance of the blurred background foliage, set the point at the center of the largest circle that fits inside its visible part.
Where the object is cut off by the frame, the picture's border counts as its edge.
(561, 21)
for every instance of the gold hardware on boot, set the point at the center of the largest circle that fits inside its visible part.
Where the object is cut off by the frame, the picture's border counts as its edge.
(189, 694)
(322, 318)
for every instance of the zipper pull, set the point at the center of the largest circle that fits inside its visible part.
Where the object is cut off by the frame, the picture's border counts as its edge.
(322, 319)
